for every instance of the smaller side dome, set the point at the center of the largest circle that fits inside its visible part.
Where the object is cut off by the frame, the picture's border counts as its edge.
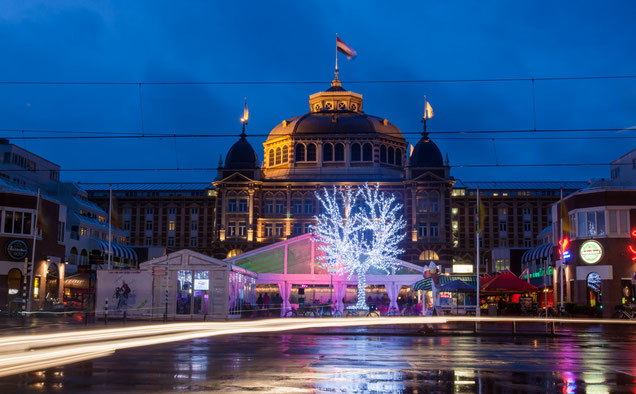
(426, 154)
(241, 156)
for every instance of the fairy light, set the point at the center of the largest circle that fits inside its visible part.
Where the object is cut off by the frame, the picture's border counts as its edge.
(358, 230)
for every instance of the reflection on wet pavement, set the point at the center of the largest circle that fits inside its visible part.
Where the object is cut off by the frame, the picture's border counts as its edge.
(598, 360)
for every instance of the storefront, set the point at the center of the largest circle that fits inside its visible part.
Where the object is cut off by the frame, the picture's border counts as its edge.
(601, 226)
(17, 214)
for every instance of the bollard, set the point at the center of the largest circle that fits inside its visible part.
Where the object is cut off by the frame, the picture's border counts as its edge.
(125, 317)
(86, 318)
(106, 311)
(165, 313)
(475, 328)
(514, 327)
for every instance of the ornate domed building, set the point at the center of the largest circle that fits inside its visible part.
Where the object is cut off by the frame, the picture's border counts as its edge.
(335, 143)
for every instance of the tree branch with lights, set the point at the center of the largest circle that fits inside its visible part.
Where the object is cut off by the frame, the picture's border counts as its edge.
(359, 229)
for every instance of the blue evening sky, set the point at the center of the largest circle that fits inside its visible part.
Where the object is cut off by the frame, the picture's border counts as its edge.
(159, 41)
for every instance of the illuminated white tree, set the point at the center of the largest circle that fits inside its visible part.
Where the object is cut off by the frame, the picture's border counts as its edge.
(359, 230)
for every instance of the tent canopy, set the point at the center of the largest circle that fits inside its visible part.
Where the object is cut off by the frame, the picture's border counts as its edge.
(457, 286)
(506, 282)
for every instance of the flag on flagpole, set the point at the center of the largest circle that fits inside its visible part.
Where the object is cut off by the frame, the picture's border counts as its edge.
(428, 110)
(348, 51)
(246, 113)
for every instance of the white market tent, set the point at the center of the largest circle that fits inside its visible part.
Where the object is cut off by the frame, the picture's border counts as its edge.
(294, 262)
(221, 286)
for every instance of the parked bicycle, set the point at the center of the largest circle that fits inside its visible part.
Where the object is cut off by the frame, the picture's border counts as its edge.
(371, 312)
(627, 311)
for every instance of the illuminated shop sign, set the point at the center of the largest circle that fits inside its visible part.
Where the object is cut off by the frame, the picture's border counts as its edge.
(201, 284)
(17, 250)
(631, 248)
(539, 274)
(591, 251)
(462, 268)
(564, 249)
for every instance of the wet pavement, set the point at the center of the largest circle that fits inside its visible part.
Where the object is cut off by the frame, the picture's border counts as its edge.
(382, 359)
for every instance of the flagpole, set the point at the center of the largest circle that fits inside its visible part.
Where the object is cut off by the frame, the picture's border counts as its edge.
(478, 310)
(561, 273)
(110, 214)
(35, 231)
(336, 56)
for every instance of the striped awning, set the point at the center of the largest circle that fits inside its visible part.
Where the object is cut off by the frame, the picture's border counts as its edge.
(423, 284)
(117, 249)
(426, 283)
(540, 252)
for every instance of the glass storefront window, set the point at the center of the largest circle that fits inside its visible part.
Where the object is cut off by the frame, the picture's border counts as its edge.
(600, 222)
(184, 292)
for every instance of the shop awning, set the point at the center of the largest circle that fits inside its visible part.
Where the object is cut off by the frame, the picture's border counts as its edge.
(457, 286)
(117, 249)
(507, 282)
(77, 281)
(540, 252)
(426, 283)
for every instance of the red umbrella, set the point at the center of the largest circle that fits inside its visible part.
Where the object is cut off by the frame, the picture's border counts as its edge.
(507, 282)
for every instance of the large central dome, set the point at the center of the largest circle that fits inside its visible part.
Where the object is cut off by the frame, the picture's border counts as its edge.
(335, 122)
(335, 140)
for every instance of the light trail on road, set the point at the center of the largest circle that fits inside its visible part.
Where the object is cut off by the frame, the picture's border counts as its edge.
(27, 353)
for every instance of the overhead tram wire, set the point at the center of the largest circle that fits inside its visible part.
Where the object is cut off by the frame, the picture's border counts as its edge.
(370, 81)
(216, 169)
(123, 135)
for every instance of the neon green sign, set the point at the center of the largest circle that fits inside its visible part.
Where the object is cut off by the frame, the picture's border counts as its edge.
(591, 251)
(539, 274)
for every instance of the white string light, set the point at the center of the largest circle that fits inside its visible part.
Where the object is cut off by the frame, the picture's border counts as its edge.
(358, 230)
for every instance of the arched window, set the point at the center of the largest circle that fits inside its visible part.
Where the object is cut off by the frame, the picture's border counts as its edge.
(355, 152)
(391, 155)
(83, 257)
(278, 155)
(429, 255)
(271, 157)
(285, 154)
(398, 156)
(300, 153)
(339, 152)
(367, 152)
(311, 152)
(73, 256)
(327, 152)
(383, 154)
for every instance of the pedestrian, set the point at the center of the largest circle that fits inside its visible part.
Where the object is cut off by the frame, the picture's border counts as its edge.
(259, 301)
(266, 301)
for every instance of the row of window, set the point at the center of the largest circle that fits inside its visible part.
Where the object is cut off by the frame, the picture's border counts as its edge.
(239, 229)
(151, 211)
(335, 152)
(194, 241)
(279, 157)
(342, 106)
(16, 222)
(428, 205)
(592, 223)
(172, 225)
(425, 230)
